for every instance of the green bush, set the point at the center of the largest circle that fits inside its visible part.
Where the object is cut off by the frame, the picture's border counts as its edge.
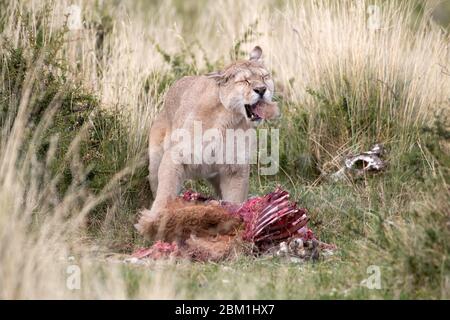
(92, 143)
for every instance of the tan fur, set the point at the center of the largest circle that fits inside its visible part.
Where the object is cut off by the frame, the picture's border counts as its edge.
(203, 231)
(217, 100)
(180, 220)
(216, 249)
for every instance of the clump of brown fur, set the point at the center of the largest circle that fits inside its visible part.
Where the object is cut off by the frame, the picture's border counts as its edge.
(215, 249)
(181, 219)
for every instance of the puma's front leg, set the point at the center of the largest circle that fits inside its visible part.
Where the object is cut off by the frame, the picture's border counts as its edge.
(170, 179)
(234, 184)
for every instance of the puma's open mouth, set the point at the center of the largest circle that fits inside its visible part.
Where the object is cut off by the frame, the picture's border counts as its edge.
(250, 110)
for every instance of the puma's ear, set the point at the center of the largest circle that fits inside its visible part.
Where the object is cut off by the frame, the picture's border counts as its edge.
(256, 53)
(218, 76)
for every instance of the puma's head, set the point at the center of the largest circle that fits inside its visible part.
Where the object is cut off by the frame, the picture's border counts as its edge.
(246, 87)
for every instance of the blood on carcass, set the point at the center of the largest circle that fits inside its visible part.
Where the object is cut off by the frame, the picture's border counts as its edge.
(204, 229)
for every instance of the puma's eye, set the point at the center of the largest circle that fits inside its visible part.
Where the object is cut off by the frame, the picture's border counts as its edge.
(243, 81)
